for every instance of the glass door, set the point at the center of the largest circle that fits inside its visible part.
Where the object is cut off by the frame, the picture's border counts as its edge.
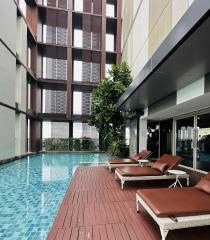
(153, 137)
(185, 143)
(166, 135)
(203, 142)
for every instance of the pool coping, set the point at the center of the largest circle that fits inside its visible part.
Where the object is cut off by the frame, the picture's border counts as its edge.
(19, 157)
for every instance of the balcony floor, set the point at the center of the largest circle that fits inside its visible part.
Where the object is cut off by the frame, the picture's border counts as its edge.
(94, 207)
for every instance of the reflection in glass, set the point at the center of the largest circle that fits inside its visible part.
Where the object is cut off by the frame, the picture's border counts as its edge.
(184, 140)
(166, 130)
(153, 138)
(203, 146)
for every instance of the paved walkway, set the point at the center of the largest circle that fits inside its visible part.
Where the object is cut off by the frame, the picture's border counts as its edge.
(95, 208)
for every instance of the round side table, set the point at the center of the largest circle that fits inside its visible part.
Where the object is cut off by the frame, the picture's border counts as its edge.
(177, 173)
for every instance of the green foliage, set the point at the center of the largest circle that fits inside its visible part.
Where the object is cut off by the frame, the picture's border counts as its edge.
(68, 144)
(77, 144)
(107, 120)
(85, 143)
(71, 142)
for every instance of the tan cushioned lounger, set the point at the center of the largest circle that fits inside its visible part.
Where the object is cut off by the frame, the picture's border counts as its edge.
(120, 161)
(176, 202)
(138, 171)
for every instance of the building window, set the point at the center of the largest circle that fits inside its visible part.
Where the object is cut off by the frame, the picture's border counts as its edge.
(77, 76)
(78, 38)
(84, 130)
(82, 103)
(184, 140)
(55, 129)
(110, 10)
(110, 42)
(203, 142)
(29, 58)
(78, 5)
(56, 35)
(108, 67)
(29, 96)
(54, 101)
(127, 135)
(54, 68)
(29, 135)
(77, 103)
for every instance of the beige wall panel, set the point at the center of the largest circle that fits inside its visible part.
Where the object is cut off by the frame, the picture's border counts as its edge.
(21, 43)
(7, 76)
(140, 38)
(7, 130)
(127, 16)
(160, 23)
(127, 51)
(140, 60)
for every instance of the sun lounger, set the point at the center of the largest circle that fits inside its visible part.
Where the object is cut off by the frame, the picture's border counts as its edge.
(158, 171)
(177, 208)
(133, 161)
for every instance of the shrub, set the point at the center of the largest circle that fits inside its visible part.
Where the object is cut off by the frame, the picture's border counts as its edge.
(71, 142)
(85, 143)
(77, 145)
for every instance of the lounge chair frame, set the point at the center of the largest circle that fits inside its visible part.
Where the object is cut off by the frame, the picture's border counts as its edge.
(166, 224)
(124, 179)
(113, 166)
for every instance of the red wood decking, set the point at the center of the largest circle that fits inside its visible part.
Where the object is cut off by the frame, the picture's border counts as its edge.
(95, 208)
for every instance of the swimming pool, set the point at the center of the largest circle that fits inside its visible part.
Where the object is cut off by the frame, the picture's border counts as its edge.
(32, 189)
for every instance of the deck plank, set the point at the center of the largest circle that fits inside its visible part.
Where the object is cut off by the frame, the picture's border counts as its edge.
(95, 208)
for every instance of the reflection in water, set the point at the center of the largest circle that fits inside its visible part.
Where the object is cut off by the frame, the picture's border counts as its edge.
(32, 190)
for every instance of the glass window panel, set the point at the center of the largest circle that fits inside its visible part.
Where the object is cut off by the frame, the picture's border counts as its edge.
(153, 137)
(110, 10)
(203, 144)
(184, 140)
(108, 67)
(110, 42)
(81, 130)
(78, 38)
(77, 103)
(166, 131)
(55, 130)
(78, 5)
(77, 71)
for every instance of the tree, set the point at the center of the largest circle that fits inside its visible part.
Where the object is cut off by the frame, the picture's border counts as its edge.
(108, 121)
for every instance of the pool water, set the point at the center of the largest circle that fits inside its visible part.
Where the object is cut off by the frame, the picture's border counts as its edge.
(32, 189)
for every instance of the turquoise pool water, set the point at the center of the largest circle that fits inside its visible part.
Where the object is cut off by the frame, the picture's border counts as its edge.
(32, 189)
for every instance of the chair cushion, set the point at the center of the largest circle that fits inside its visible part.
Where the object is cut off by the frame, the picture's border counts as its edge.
(171, 160)
(122, 161)
(176, 202)
(142, 155)
(160, 166)
(203, 185)
(138, 171)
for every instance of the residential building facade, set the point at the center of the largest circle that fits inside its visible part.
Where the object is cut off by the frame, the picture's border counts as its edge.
(53, 54)
(165, 44)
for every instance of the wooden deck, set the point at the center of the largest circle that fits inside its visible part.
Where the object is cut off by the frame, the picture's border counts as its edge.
(95, 208)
